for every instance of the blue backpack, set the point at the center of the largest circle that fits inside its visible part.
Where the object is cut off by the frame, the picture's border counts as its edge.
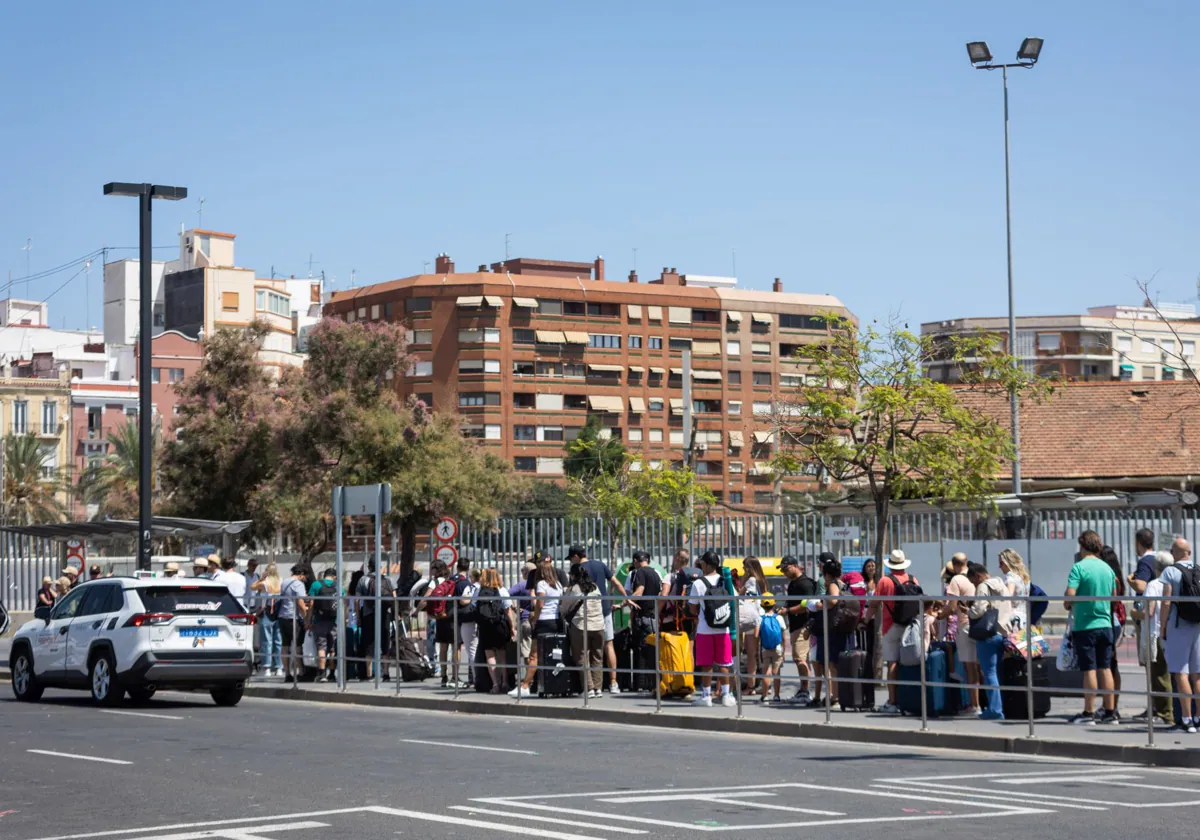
(1037, 608)
(770, 633)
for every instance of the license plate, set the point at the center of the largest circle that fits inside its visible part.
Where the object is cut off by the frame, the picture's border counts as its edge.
(198, 632)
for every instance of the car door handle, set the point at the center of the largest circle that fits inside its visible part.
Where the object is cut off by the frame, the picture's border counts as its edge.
(62, 631)
(96, 624)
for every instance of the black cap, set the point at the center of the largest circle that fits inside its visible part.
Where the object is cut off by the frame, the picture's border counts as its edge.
(788, 560)
(638, 556)
(576, 550)
(826, 555)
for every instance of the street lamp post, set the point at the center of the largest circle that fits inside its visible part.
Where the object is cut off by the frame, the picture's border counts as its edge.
(145, 194)
(981, 59)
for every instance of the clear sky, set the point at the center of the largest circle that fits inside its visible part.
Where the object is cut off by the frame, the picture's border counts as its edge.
(848, 148)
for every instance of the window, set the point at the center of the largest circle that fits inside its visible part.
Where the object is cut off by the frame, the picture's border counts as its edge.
(705, 316)
(49, 418)
(1126, 373)
(762, 378)
(656, 436)
(421, 369)
(635, 435)
(734, 377)
(606, 342)
(548, 369)
(735, 497)
(422, 337)
(654, 404)
(1148, 372)
(487, 335)
(790, 380)
(679, 314)
(604, 310)
(574, 307)
(736, 467)
(655, 342)
(550, 466)
(549, 402)
(552, 433)
(522, 368)
(1168, 346)
(762, 408)
(708, 468)
(175, 374)
(764, 497)
(735, 406)
(523, 401)
(574, 370)
(675, 380)
(655, 379)
(677, 437)
(1148, 346)
(229, 301)
(1189, 349)
(491, 431)
(1125, 343)
(420, 304)
(635, 342)
(706, 407)
(571, 432)
(478, 398)
(525, 463)
(550, 307)
(575, 402)
(524, 336)
(679, 343)
(733, 348)
(387, 306)
(479, 365)
(1048, 341)
(1168, 374)
(268, 301)
(475, 432)
(760, 348)
(155, 376)
(801, 322)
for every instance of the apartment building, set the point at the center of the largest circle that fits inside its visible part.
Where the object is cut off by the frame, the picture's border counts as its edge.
(38, 405)
(525, 350)
(1122, 343)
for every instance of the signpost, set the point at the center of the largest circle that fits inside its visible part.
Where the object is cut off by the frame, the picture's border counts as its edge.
(367, 500)
(843, 533)
(448, 554)
(446, 530)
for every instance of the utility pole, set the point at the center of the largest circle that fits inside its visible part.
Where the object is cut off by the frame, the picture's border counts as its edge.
(688, 442)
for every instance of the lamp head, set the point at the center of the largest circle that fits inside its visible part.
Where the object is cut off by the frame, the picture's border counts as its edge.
(1030, 49)
(978, 52)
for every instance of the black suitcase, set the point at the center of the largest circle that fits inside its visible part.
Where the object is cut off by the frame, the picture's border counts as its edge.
(854, 696)
(623, 643)
(1012, 676)
(554, 658)
(483, 677)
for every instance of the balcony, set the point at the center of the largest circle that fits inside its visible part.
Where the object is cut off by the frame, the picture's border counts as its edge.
(93, 439)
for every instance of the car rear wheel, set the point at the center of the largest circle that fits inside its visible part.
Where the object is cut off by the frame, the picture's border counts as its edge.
(228, 695)
(25, 685)
(103, 678)
(141, 694)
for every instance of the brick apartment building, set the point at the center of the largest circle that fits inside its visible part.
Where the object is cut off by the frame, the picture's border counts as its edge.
(527, 349)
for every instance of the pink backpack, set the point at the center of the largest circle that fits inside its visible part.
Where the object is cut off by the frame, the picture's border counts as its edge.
(857, 586)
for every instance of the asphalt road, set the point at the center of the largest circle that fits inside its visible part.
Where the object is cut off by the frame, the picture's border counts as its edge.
(180, 768)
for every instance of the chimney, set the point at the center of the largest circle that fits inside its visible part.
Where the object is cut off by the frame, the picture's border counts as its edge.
(778, 286)
(633, 276)
(598, 269)
(669, 277)
(483, 269)
(443, 264)
(498, 268)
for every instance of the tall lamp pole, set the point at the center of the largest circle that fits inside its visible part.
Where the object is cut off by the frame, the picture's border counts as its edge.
(145, 193)
(981, 59)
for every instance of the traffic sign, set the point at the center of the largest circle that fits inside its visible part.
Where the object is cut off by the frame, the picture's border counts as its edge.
(75, 550)
(842, 532)
(446, 530)
(448, 554)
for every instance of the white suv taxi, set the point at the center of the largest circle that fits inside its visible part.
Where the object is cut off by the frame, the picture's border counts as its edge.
(118, 635)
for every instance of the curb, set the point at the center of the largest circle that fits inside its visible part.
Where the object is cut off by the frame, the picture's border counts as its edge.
(826, 732)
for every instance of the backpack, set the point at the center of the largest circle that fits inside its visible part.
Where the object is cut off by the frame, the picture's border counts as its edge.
(770, 633)
(491, 613)
(846, 612)
(857, 584)
(327, 609)
(440, 609)
(905, 613)
(1189, 587)
(718, 612)
(1037, 608)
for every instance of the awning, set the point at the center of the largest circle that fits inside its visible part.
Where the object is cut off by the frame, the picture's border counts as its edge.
(764, 437)
(760, 347)
(1127, 367)
(679, 314)
(654, 313)
(706, 348)
(613, 405)
(607, 368)
(470, 300)
(493, 301)
(760, 317)
(657, 370)
(550, 336)
(575, 337)
(637, 405)
(635, 311)
(636, 369)
(676, 405)
(736, 317)
(677, 371)
(525, 303)
(709, 375)
(761, 468)
(736, 440)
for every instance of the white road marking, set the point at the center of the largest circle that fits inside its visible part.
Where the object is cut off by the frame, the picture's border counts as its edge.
(80, 757)
(464, 746)
(555, 820)
(141, 714)
(523, 830)
(1110, 777)
(733, 798)
(990, 793)
(125, 832)
(1066, 770)
(674, 797)
(770, 806)
(238, 833)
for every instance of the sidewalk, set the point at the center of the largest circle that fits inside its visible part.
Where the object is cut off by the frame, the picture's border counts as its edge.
(1126, 742)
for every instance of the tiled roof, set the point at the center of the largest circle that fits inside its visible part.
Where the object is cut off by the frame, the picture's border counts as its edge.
(1104, 430)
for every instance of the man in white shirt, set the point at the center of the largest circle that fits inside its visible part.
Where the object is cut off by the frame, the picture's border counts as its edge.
(714, 645)
(233, 579)
(1151, 642)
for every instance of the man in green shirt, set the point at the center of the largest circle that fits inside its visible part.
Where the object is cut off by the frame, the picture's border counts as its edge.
(1092, 628)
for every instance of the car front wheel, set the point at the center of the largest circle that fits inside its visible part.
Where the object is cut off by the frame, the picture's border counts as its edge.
(25, 685)
(103, 677)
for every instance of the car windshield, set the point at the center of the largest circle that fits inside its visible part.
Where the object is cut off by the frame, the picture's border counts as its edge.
(189, 600)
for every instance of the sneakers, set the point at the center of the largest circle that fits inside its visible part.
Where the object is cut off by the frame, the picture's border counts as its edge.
(888, 709)
(727, 699)
(519, 692)
(1109, 718)
(322, 677)
(815, 703)
(613, 689)
(802, 697)
(1191, 730)
(765, 699)
(702, 701)
(1083, 719)
(990, 715)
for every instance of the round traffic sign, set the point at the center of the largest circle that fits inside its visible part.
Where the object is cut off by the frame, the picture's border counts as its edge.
(75, 550)
(446, 530)
(448, 554)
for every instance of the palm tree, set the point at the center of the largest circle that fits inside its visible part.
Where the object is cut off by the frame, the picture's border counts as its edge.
(111, 483)
(31, 486)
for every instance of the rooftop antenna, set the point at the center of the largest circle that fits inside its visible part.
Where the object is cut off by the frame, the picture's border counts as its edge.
(635, 259)
(310, 265)
(28, 249)
(734, 252)
(507, 236)
(425, 266)
(87, 291)
(200, 215)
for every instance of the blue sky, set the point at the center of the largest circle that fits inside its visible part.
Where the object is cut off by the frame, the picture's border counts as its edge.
(848, 148)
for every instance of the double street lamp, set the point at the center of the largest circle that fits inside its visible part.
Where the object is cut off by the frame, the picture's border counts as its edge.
(145, 194)
(981, 59)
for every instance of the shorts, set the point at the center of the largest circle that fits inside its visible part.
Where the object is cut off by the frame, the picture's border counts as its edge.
(772, 659)
(1182, 648)
(965, 646)
(714, 650)
(1093, 648)
(609, 635)
(287, 629)
(800, 646)
(324, 635)
(525, 639)
(891, 643)
(546, 626)
(839, 643)
(443, 631)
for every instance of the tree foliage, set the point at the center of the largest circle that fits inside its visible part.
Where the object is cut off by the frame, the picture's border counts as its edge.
(111, 484)
(870, 419)
(31, 488)
(593, 452)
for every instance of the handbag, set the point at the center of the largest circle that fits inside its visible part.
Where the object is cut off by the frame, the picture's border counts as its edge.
(1068, 660)
(985, 626)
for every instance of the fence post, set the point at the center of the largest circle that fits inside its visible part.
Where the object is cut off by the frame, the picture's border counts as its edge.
(1150, 656)
(825, 656)
(736, 688)
(658, 631)
(583, 660)
(924, 676)
(454, 653)
(398, 676)
(295, 675)
(1029, 695)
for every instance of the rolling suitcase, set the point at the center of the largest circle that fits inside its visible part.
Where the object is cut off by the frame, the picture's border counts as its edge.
(854, 696)
(554, 658)
(483, 677)
(675, 654)
(414, 664)
(1012, 674)
(908, 697)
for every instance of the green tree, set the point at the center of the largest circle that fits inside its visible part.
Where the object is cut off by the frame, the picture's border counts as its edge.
(31, 486)
(870, 419)
(593, 452)
(112, 482)
(222, 451)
